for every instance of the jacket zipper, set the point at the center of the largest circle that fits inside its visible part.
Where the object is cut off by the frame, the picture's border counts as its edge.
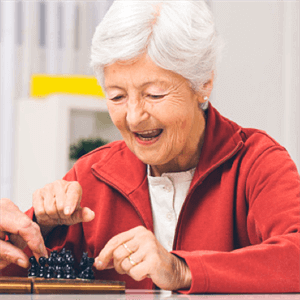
(201, 179)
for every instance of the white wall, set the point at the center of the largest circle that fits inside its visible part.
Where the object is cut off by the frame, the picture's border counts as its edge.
(7, 93)
(41, 36)
(258, 78)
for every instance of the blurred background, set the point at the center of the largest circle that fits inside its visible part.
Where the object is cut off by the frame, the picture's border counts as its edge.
(50, 104)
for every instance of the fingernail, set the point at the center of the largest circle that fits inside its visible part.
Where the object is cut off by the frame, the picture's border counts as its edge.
(67, 210)
(99, 264)
(21, 262)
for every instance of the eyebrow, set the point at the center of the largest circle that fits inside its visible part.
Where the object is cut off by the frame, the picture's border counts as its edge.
(160, 82)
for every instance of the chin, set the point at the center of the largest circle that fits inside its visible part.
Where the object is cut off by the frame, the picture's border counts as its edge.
(147, 159)
(152, 160)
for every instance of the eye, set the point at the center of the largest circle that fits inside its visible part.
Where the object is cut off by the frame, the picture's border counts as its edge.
(155, 96)
(117, 98)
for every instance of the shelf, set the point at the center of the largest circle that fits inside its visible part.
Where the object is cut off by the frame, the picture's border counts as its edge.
(45, 130)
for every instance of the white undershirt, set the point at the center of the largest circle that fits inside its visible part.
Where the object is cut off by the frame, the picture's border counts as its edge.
(167, 194)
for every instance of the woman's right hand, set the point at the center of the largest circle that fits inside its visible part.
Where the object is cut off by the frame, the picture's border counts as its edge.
(58, 203)
(21, 231)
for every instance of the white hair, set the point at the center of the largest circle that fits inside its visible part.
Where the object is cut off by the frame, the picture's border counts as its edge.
(179, 36)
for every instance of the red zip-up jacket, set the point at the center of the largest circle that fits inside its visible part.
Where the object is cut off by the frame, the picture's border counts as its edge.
(238, 229)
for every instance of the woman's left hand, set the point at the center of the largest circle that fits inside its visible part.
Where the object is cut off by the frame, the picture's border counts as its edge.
(138, 253)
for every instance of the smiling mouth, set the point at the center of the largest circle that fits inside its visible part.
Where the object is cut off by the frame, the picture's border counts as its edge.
(148, 135)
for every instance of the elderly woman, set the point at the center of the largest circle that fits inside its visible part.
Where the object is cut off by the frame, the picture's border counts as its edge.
(189, 201)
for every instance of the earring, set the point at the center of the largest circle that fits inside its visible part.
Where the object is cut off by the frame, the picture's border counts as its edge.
(204, 105)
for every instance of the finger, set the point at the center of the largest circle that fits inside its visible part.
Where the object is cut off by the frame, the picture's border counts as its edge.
(16, 222)
(129, 248)
(84, 214)
(50, 203)
(131, 261)
(140, 271)
(122, 253)
(3, 264)
(107, 252)
(11, 254)
(119, 255)
(110, 265)
(38, 206)
(87, 214)
(17, 241)
(31, 234)
(60, 198)
(73, 197)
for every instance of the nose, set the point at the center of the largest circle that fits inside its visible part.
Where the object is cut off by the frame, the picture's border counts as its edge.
(136, 113)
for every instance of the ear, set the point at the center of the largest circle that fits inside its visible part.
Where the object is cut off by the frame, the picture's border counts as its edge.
(206, 89)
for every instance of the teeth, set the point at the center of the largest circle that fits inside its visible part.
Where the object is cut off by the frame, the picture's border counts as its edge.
(145, 139)
(149, 134)
(149, 131)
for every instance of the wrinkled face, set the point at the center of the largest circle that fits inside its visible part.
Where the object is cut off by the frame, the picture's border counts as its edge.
(156, 112)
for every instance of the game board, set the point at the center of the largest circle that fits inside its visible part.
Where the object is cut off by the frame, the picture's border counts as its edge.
(21, 285)
(58, 275)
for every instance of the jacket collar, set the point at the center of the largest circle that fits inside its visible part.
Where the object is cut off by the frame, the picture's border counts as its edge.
(121, 169)
(222, 141)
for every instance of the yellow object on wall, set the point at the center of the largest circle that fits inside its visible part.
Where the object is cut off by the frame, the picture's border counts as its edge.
(43, 85)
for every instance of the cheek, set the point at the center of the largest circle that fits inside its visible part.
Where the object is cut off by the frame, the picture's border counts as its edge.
(176, 136)
(183, 125)
(117, 116)
(179, 128)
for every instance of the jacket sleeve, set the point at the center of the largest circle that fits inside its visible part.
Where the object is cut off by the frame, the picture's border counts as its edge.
(271, 263)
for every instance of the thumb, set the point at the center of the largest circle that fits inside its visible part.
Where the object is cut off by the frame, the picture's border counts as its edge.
(84, 214)
(87, 214)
